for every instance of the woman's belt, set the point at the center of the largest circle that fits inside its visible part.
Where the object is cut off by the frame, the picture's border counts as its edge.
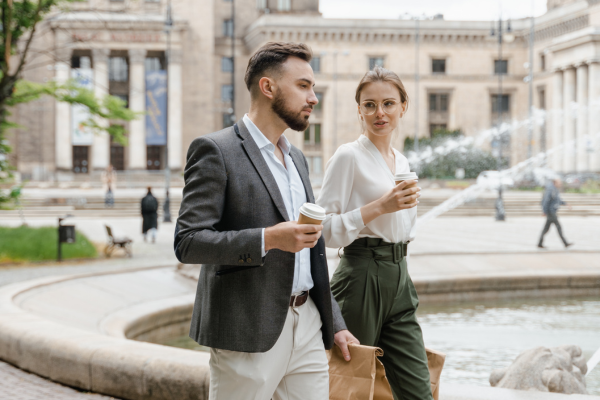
(378, 249)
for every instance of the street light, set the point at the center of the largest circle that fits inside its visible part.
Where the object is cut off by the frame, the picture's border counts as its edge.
(167, 204)
(509, 38)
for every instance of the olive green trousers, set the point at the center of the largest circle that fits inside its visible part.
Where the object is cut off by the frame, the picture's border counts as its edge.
(379, 304)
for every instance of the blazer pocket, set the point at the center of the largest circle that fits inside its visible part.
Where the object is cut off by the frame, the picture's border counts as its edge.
(235, 269)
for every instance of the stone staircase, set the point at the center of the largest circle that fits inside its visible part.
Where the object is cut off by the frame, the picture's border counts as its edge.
(517, 204)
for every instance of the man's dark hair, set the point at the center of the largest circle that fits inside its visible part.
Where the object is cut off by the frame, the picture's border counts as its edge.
(270, 57)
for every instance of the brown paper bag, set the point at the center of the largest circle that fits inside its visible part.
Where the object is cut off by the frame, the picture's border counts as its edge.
(363, 378)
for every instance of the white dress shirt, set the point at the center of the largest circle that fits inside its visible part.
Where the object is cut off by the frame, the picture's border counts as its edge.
(355, 176)
(293, 193)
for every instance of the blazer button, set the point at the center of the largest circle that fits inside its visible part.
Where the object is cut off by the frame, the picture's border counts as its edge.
(248, 260)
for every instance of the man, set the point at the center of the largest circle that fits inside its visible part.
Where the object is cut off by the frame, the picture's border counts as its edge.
(263, 303)
(149, 216)
(551, 202)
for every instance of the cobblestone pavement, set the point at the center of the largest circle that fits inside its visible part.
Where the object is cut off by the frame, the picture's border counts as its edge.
(16, 384)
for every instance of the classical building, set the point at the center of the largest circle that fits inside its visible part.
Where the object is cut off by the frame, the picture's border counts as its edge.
(465, 81)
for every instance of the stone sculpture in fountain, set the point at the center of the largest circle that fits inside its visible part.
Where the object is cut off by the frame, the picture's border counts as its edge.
(559, 370)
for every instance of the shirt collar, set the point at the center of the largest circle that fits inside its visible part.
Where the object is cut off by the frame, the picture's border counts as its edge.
(262, 141)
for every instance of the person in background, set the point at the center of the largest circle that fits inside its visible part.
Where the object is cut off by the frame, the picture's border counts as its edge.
(150, 216)
(551, 202)
(109, 183)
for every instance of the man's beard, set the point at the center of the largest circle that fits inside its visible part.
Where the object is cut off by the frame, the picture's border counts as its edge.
(295, 120)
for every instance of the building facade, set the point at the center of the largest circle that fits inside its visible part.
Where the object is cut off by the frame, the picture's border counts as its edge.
(194, 85)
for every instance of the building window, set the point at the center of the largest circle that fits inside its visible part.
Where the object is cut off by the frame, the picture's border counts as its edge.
(542, 97)
(261, 4)
(284, 5)
(438, 66)
(226, 92)
(375, 61)
(438, 102)
(500, 67)
(227, 120)
(543, 62)
(312, 137)
(228, 28)
(226, 64)
(81, 62)
(118, 70)
(154, 157)
(319, 105)
(315, 63)
(81, 159)
(315, 165)
(436, 127)
(153, 64)
(504, 103)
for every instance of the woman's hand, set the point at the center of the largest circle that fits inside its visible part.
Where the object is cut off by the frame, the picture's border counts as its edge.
(399, 198)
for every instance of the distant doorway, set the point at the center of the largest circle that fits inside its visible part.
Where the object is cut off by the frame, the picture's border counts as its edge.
(81, 162)
(155, 156)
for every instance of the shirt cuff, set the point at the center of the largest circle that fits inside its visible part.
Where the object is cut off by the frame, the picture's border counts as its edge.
(357, 219)
(262, 244)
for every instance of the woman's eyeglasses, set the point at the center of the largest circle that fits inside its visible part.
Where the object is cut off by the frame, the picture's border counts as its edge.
(370, 107)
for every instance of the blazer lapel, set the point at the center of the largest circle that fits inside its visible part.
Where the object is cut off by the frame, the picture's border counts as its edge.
(261, 166)
(301, 168)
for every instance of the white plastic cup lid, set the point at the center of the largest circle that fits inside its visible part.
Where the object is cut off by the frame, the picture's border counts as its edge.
(313, 211)
(406, 176)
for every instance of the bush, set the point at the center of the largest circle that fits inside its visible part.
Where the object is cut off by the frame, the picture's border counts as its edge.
(38, 244)
(446, 151)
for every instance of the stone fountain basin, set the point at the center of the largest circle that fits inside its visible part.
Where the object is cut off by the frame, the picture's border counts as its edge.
(95, 331)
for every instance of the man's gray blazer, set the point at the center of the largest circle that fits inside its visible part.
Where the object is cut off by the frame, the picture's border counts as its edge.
(230, 195)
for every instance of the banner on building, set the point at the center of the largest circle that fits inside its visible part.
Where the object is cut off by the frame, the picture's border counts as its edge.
(81, 135)
(156, 108)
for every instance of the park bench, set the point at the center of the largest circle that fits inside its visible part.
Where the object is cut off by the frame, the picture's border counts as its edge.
(113, 243)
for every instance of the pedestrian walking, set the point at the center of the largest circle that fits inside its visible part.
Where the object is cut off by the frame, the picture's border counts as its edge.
(109, 183)
(263, 303)
(373, 215)
(150, 216)
(551, 202)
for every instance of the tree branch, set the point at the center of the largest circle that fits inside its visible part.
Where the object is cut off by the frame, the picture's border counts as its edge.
(36, 20)
(8, 35)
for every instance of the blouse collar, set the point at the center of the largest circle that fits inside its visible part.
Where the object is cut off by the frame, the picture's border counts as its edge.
(371, 148)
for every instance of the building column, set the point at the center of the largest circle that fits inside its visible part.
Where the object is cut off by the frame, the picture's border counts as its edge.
(62, 120)
(101, 146)
(557, 121)
(137, 103)
(594, 111)
(581, 144)
(569, 122)
(175, 104)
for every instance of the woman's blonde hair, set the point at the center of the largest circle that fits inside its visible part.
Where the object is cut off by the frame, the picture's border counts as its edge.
(380, 74)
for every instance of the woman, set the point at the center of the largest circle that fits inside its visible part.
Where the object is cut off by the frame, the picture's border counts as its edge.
(374, 219)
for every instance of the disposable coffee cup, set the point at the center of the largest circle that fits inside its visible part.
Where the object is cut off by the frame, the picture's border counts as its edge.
(408, 176)
(311, 214)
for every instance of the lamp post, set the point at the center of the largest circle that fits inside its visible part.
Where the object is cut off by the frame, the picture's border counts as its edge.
(167, 204)
(500, 212)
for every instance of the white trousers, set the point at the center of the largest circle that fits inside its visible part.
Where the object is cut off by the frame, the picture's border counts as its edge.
(295, 368)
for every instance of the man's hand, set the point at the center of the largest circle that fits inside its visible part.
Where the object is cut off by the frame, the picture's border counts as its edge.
(342, 340)
(292, 237)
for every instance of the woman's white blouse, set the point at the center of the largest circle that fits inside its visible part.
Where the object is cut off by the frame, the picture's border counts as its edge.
(355, 176)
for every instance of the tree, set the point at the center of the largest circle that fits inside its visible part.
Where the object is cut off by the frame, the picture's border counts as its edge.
(20, 20)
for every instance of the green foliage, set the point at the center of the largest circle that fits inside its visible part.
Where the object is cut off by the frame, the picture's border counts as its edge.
(38, 244)
(438, 137)
(588, 187)
(443, 166)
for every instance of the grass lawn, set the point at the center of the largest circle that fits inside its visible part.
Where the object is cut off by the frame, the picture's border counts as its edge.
(38, 244)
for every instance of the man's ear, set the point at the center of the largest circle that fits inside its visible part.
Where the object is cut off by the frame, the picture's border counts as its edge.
(266, 87)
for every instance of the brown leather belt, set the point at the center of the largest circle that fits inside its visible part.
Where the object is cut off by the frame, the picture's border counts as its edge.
(297, 301)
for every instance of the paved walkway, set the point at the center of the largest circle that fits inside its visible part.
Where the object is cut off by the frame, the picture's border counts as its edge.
(477, 245)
